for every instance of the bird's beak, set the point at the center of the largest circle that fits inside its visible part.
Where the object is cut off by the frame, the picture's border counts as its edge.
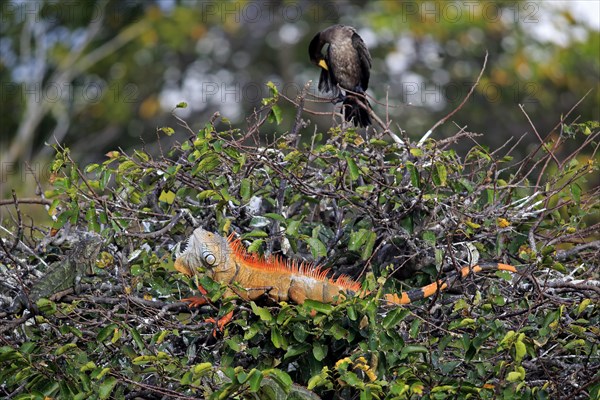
(323, 64)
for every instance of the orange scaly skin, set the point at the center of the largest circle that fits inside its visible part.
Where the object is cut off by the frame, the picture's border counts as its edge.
(225, 260)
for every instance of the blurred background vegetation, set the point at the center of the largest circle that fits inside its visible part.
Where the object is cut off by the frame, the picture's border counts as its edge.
(102, 75)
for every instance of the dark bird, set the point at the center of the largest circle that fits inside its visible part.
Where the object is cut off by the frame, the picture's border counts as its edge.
(345, 61)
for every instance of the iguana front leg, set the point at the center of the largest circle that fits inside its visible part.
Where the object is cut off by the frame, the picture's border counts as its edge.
(197, 301)
(221, 322)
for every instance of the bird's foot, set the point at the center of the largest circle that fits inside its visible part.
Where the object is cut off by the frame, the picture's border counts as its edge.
(338, 99)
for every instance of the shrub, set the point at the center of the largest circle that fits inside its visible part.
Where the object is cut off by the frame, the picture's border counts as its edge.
(356, 203)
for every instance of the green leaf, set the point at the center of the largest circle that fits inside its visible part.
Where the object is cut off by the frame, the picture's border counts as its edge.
(517, 375)
(62, 219)
(357, 239)
(319, 351)
(577, 343)
(429, 237)
(99, 373)
(202, 368)
(317, 248)
(323, 308)
(440, 175)
(406, 350)
(106, 332)
(167, 197)
(257, 233)
(466, 184)
(520, 350)
(255, 380)
(91, 168)
(186, 379)
(352, 168)
(414, 174)
(137, 338)
(8, 354)
(167, 130)
(255, 246)
(414, 328)
(245, 189)
(299, 332)
(463, 323)
(107, 387)
(282, 379)
(449, 367)
(292, 228)
(277, 338)
(263, 313)
(338, 332)
(205, 194)
(394, 317)
(559, 267)
(28, 347)
(575, 192)
(117, 333)
(273, 88)
(365, 190)
(275, 114)
(207, 164)
(145, 359)
(226, 196)
(233, 345)
(65, 348)
(258, 221)
(320, 379)
(351, 311)
(295, 349)
(230, 373)
(368, 247)
(161, 336)
(415, 151)
(583, 305)
(275, 217)
(89, 366)
(378, 142)
(90, 216)
(362, 239)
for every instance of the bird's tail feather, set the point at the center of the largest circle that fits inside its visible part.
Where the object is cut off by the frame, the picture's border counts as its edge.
(356, 108)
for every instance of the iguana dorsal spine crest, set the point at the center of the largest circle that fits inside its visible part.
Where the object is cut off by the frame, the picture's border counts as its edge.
(226, 260)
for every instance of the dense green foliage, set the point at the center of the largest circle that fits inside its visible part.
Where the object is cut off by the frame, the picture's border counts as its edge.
(357, 204)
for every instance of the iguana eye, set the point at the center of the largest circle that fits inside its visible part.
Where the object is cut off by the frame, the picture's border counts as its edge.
(209, 258)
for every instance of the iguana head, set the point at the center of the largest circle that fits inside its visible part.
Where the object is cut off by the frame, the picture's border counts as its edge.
(204, 251)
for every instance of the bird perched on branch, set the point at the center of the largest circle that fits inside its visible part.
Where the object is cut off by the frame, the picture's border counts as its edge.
(345, 61)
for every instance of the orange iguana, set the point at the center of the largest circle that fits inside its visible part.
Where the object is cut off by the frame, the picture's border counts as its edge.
(225, 260)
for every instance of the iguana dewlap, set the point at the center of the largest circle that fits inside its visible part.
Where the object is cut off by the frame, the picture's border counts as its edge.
(225, 260)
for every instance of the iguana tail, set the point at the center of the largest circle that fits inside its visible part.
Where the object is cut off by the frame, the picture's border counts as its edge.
(442, 284)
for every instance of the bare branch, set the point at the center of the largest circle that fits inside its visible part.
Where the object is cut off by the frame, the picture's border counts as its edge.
(443, 120)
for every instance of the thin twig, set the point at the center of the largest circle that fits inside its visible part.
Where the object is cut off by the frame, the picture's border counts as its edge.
(19, 234)
(158, 233)
(26, 200)
(443, 120)
(538, 135)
